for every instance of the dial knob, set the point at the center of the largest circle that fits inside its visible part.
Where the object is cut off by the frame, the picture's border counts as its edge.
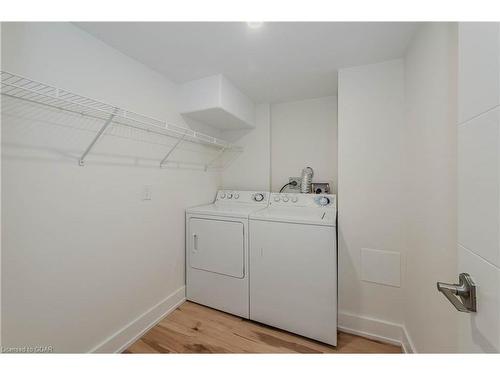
(323, 201)
(259, 197)
(295, 199)
(229, 195)
(276, 199)
(223, 195)
(285, 199)
(236, 196)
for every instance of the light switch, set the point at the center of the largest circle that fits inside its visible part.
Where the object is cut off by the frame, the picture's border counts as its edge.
(146, 192)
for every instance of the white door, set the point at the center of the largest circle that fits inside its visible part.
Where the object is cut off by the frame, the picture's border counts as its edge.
(293, 280)
(217, 246)
(478, 182)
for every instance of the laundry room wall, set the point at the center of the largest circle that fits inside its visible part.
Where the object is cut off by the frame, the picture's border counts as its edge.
(87, 264)
(372, 174)
(288, 136)
(304, 133)
(398, 193)
(431, 108)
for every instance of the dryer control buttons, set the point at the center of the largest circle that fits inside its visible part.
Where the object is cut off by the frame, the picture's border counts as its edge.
(295, 199)
(236, 195)
(259, 197)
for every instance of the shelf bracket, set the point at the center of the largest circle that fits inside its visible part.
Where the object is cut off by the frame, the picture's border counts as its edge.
(219, 154)
(164, 160)
(99, 134)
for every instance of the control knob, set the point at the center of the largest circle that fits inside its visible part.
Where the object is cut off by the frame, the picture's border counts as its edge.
(294, 199)
(324, 201)
(259, 197)
(223, 195)
(236, 196)
(285, 199)
(276, 199)
(229, 195)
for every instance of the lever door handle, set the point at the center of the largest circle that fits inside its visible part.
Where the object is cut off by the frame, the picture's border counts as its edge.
(462, 295)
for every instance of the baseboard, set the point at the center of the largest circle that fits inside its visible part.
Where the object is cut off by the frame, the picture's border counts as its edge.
(124, 337)
(406, 342)
(375, 329)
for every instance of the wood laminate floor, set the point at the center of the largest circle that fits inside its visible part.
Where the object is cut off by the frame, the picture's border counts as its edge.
(194, 328)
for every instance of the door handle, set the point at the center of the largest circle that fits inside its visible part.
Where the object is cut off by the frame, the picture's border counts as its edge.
(462, 295)
(195, 242)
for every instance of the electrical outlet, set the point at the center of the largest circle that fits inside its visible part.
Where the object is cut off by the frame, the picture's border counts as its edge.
(320, 188)
(146, 192)
(296, 187)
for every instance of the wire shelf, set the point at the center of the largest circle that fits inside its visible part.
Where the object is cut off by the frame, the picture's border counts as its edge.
(26, 89)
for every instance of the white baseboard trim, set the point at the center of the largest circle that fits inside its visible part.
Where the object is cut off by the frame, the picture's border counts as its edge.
(375, 329)
(124, 337)
(406, 342)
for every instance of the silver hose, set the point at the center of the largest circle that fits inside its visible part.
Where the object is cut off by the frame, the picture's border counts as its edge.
(306, 180)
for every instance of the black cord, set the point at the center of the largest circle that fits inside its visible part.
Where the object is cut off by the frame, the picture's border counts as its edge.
(293, 183)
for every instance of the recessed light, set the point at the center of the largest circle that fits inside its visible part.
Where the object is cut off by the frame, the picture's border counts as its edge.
(255, 25)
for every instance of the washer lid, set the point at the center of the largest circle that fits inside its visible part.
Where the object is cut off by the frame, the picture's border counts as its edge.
(227, 210)
(298, 215)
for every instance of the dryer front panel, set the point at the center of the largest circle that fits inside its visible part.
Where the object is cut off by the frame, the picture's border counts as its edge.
(217, 246)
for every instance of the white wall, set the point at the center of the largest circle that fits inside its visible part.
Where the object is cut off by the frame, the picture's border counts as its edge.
(371, 195)
(430, 79)
(288, 136)
(83, 255)
(304, 133)
(250, 170)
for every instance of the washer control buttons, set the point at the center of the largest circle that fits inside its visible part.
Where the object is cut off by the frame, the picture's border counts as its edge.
(259, 197)
(323, 201)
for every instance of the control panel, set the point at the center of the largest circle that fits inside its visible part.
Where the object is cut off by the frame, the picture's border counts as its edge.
(242, 196)
(303, 200)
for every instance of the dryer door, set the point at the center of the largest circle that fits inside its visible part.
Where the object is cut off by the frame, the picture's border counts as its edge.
(217, 246)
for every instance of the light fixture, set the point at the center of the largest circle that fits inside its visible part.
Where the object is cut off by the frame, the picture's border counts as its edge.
(255, 25)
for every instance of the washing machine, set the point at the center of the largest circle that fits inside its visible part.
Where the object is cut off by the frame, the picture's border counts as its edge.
(217, 248)
(293, 264)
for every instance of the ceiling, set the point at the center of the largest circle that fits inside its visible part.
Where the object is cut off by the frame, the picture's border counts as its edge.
(279, 61)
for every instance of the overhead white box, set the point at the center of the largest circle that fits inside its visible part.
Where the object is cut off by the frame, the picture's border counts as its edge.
(215, 101)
